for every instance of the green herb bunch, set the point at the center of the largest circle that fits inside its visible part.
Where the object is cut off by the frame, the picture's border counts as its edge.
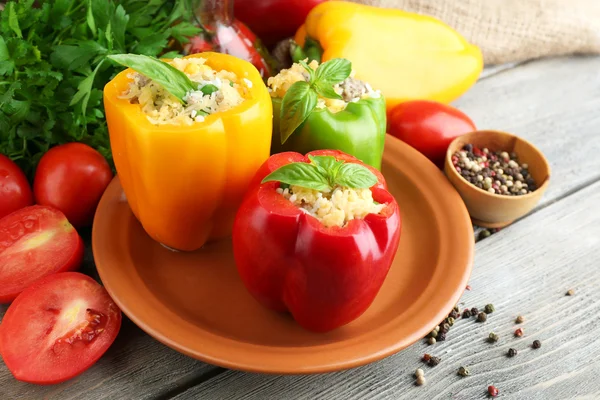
(53, 66)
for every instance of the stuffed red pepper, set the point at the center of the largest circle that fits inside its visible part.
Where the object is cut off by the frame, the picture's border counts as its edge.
(316, 236)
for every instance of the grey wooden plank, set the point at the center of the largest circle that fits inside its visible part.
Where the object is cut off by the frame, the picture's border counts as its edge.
(135, 367)
(525, 269)
(554, 104)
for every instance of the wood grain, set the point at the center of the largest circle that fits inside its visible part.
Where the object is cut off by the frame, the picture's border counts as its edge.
(525, 269)
(135, 367)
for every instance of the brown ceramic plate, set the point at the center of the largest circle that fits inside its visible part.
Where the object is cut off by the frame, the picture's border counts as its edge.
(196, 303)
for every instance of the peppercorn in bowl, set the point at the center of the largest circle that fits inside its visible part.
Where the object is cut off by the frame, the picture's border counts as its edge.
(499, 176)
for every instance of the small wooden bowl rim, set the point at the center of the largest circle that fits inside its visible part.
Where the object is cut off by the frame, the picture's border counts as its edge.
(450, 152)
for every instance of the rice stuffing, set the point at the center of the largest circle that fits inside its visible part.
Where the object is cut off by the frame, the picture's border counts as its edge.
(351, 89)
(161, 107)
(335, 208)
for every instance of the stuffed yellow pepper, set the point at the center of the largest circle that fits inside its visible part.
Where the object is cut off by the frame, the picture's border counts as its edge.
(187, 136)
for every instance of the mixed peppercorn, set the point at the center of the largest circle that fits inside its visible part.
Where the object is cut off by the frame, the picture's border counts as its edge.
(497, 172)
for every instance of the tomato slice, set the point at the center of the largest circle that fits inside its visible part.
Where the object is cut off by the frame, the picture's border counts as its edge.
(58, 328)
(34, 242)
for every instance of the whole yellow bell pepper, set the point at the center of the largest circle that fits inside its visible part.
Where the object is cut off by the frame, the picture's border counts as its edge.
(407, 56)
(185, 183)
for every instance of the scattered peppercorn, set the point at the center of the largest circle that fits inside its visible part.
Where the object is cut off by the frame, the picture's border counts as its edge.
(419, 372)
(474, 311)
(520, 319)
(456, 309)
(454, 314)
(484, 233)
(519, 332)
(492, 391)
(426, 357)
(481, 317)
(496, 172)
(445, 327)
(421, 380)
(493, 337)
(489, 309)
(433, 361)
(462, 371)
(570, 292)
(536, 344)
(512, 352)
(432, 340)
(433, 334)
(466, 313)
(441, 336)
(450, 321)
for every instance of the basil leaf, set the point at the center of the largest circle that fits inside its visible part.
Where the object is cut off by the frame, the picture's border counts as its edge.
(308, 69)
(297, 104)
(355, 176)
(333, 71)
(208, 89)
(327, 165)
(325, 89)
(300, 174)
(173, 80)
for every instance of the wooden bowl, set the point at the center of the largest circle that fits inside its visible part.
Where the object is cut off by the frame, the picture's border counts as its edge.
(494, 210)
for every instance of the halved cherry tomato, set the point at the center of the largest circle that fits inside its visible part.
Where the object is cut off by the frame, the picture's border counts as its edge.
(15, 192)
(58, 328)
(34, 242)
(428, 126)
(72, 177)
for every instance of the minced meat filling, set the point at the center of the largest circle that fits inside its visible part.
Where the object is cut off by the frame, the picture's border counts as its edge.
(335, 208)
(351, 89)
(161, 107)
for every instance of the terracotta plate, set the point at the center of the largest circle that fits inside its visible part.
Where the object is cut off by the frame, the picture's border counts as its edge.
(196, 304)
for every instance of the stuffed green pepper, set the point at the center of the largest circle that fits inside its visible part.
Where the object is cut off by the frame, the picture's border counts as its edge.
(323, 106)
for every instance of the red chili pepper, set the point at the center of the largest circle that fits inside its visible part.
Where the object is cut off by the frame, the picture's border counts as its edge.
(289, 261)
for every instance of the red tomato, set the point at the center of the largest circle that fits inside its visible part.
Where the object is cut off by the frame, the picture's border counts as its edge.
(273, 20)
(57, 328)
(72, 178)
(15, 192)
(34, 242)
(428, 126)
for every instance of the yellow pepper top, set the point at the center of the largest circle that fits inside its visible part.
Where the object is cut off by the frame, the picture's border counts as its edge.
(408, 56)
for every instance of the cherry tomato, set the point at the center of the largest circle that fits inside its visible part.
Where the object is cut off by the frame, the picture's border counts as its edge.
(72, 177)
(15, 192)
(35, 241)
(428, 126)
(58, 328)
(273, 20)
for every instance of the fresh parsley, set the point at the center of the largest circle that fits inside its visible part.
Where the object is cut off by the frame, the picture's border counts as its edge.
(53, 66)
(323, 173)
(301, 98)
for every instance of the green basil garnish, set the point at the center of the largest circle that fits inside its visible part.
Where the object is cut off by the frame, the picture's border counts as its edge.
(173, 80)
(297, 104)
(301, 98)
(323, 173)
(209, 89)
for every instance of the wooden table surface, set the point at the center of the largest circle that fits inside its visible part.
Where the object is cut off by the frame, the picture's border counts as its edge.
(523, 269)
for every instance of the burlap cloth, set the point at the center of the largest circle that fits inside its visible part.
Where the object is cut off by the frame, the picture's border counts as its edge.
(514, 30)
